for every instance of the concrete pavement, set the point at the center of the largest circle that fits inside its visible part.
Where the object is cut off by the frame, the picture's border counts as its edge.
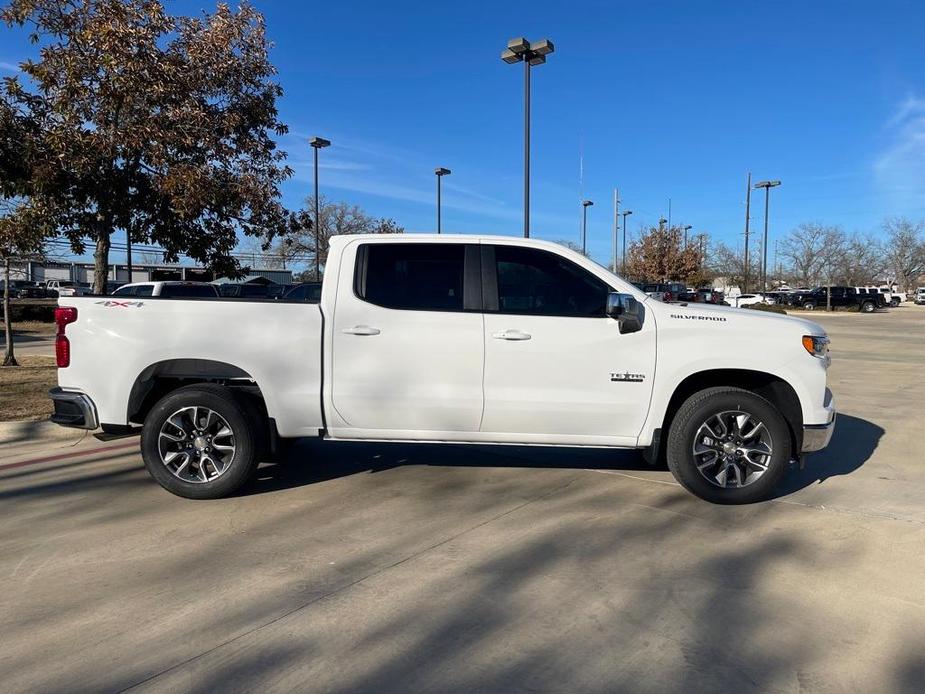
(359, 567)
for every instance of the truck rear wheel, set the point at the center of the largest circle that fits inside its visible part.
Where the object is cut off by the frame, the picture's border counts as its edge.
(200, 442)
(868, 307)
(728, 446)
(809, 305)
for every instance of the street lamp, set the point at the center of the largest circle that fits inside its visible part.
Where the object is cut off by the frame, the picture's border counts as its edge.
(626, 214)
(584, 225)
(661, 222)
(689, 226)
(440, 172)
(521, 50)
(316, 144)
(767, 185)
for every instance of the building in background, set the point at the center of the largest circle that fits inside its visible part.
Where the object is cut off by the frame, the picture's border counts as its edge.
(83, 273)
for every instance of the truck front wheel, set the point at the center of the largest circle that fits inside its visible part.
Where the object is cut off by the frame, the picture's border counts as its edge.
(200, 442)
(868, 307)
(728, 446)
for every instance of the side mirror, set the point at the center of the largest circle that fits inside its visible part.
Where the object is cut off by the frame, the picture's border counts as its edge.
(626, 310)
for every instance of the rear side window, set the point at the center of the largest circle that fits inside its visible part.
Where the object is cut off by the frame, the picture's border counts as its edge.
(144, 290)
(125, 291)
(412, 276)
(536, 282)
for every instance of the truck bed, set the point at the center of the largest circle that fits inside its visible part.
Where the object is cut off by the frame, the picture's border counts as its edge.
(275, 344)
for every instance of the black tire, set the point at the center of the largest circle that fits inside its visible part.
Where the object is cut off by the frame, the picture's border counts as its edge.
(868, 307)
(699, 408)
(809, 306)
(894, 303)
(239, 415)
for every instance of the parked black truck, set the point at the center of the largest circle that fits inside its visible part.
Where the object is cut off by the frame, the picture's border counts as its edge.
(840, 297)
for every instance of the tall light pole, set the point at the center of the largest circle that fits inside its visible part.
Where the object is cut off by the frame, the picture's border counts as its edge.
(521, 50)
(128, 251)
(748, 204)
(317, 143)
(767, 185)
(686, 228)
(585, 204)
(616, 226)
(440, 172)
(626, 213)
(661, 223)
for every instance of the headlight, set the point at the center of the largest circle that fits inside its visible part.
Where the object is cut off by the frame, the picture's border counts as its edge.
(816, 345)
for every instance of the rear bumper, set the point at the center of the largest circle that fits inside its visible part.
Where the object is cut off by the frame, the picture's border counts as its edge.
(73, 409)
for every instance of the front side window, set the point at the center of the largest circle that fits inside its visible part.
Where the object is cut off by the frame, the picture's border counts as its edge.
(124, 291)
(412, 276)
(536, 282)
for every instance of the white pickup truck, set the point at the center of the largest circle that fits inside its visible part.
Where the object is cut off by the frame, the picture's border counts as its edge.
(461, 339)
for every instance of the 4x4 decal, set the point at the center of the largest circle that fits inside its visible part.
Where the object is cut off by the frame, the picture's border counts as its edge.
(109, 303)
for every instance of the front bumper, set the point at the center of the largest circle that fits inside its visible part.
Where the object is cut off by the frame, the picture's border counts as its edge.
(817, 436)
(73, 409)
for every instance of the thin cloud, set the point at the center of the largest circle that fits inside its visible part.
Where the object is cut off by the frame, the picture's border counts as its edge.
(8, 67)
(900, 169)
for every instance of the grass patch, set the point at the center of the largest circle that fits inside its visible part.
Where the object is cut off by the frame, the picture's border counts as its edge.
(768, 308)
(24, 388)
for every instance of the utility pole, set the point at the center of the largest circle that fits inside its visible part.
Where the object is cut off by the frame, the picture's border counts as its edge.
(748, 202)
(616, 226)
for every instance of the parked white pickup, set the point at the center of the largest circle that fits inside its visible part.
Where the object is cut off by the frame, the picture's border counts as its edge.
(451, 339)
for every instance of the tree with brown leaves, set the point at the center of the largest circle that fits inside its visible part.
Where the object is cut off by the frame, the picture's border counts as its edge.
(659, 255)
(159, 126)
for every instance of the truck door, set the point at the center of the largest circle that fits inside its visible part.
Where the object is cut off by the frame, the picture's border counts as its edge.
(557, 370)
(408, 347)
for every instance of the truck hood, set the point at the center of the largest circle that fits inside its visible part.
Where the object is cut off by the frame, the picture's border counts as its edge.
(739, 317)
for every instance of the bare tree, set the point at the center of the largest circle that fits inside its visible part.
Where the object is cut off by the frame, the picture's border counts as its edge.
(856, 260)
(904, 250)
(571, 245)
(811, 251)
(336, 218)
(729, 264)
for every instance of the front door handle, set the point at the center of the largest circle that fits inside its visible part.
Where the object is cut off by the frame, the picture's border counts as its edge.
(512, 335)
(361, 330)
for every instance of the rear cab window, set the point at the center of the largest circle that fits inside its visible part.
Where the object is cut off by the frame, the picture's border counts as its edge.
(412, 276)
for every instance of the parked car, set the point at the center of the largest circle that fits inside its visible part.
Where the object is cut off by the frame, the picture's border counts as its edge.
(54, 288)
(664, 291)
(919, 297)
(428, 338)
(896, 297)
(840, 297)
(888, 298)
(169, 290)
(749, 299)
(245, 291)
(23, 289)
(307, 291)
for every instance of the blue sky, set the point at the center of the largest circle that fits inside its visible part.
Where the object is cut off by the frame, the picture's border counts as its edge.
(665, 99)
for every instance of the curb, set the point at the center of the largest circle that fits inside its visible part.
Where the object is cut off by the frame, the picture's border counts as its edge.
(22, 431)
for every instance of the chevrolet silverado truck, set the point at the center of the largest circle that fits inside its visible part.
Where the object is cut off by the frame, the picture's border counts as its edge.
(455, 339)
(837, 297)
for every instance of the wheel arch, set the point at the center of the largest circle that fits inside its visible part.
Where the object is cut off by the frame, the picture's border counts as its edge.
(772, 388)
(160, 378)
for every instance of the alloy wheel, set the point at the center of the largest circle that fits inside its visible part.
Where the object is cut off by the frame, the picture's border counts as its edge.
(732, 449)
(196, 444)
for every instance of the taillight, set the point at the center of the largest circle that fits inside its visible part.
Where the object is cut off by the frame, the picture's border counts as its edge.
(63, 316)
(668, 297)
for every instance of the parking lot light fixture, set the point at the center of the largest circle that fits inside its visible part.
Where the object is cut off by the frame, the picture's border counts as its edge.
(585, 204)
(687, 228)
(530, 54)
(440, 172)
(767, 185)
(316, 144)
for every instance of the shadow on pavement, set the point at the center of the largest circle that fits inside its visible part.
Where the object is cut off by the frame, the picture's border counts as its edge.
(310, 461)
(852, 444)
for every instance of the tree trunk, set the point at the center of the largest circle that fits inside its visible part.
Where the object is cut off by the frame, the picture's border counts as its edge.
(101, 259)
(9, 358)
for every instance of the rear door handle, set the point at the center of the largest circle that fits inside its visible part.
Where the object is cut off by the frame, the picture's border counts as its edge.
(361, 330)
(512, 335)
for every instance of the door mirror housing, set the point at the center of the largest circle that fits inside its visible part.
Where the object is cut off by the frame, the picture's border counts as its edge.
(626, 310)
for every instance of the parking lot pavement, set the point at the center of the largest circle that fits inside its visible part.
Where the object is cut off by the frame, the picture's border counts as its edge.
(34, 345)
(360, 567)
